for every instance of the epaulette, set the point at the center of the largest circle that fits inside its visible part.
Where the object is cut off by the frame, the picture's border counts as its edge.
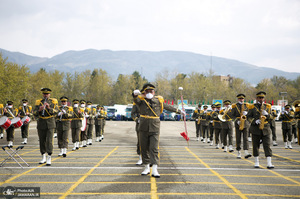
(20, 107)
(1, 105)
(141, 97)
(81, 109)
(196, 111)
(54, 100)
(297, 109)
(89, 109)
(133, 104)
(30, 108)
(233, 105)
(38, 102)
(16, 109)
(221, 111)
(201, 111)
(70, 108)
(161, 100)
(251, 106)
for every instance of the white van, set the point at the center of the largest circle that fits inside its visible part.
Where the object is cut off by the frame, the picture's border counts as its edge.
(278, 111)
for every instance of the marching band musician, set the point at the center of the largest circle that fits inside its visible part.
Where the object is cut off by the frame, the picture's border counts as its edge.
(25, 110)
(204, 123)
(217, 125)
(63, 126)
(90, 122)
(297, 118)
(238, 113)
(287, 117)
(150, 107)
(273, 127)
(294, 128)
(76, 124)
(227, 127)
(135, 115)
(211, 126)
(99, 122)
(259, 114)
(196, 117)
(10, 112)
(83, 135)
(1, 129)
(46, 110)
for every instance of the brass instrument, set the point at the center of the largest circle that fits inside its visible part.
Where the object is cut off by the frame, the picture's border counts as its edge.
(243, 118)
(222, 116)
(262, 118)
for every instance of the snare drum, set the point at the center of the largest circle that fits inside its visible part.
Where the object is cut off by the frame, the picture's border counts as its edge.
(17, 122)
(5, 122)
(26, 120)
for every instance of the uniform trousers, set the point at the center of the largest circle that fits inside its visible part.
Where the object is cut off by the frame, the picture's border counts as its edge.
(83, 135)
(10, 131)
(211, 131)
(227, 133)
(287, 135)
(218, 135)
(198, 129)
(75, 134)
(273, 129)
(238, 135)
(149, 147)
(204, 131)
(63, 134)
(25, 130)
(90, 131)
(138, 147)
(294, 130)
(46, 140)
(98, 130)
(266, 141)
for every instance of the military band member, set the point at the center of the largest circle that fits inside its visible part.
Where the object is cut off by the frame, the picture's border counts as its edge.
(204, 123)
(150, 107)
(238, 113)
(297, 118)
(76, 124)
(273, 127)
(294, 128)
(287, 117)
(90, 122)
(259, 114)
(25, 111)
(211, 127)
(1, 114)
(83, 134)
(11, 113)
(217, 123)
(63, 125)
(196, 117)
(135, 115)
(100, 122)
(227, 127)
(46, 110)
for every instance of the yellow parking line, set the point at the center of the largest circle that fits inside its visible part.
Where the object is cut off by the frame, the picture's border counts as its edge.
(153, 188)
(292, 160)
(86, 175)
(218, 175)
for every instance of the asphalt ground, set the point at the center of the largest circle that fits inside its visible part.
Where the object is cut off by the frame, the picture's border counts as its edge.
(188, 169)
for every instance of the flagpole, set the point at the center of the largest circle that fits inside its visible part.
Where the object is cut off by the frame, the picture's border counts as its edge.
(184, 117)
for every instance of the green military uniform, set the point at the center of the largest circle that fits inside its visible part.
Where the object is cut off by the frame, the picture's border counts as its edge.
(259, 116)
(217, 123)
(196, 117)
(287, 117)
(297, 118)
(90, 122)
(100, 122)
(211, 126)
(25, 111)
(135, 115)
(273, 127)
(1, 114)
(11, 113)
(238, 113)
(204, 123)
(63, 126)
(294, 128)
(76, 124)
(46, 123)
(227, 127)
(86, 113)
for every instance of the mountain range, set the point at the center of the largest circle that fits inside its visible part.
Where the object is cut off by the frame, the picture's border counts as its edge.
(149, 64)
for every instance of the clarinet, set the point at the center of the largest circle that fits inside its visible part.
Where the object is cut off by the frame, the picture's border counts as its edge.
(43, 113)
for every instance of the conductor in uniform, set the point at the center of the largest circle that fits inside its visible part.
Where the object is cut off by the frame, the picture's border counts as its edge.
(150, 107)
(45, 110)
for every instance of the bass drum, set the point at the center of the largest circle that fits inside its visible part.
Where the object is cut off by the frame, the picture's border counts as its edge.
(83, 127)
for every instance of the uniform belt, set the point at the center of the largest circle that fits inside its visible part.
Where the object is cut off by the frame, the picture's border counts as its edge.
(77, 119)
(149, 117)
(44, 118)
(62, 120)
(286, 121)
(216, 121)
(100, 118)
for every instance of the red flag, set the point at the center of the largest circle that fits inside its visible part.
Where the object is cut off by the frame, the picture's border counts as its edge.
(168, 101)
(172, 102)
(184, 135)
(272, 102)
(165, 101)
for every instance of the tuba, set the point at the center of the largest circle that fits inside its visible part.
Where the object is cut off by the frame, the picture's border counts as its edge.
(262, 118)
(222, 116)
(243, 118)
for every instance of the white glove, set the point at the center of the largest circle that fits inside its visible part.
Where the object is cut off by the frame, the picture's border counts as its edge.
(211, 121)
(138, 121)
(136, 92)
(245, 112)
(196, 120)
(257, 122)
(264, 112)
(205, 111)
(60, 113)
(64, 111)
(238, 122)
(183, 113)
(87, 116)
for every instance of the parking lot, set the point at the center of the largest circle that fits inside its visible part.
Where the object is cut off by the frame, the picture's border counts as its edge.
(188, 169)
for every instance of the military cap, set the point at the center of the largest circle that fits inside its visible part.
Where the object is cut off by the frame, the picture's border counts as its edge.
(63, 99)
(148, 86)
(75, 101)
(89, 103)
(24, 100)
(205, 106)
(218, 105)
(241, 96)
(10, 102)
(82, 101)
(199, 105)
(213, 106)
(227, 102)
(287, 106)
(46, 90)
(98, 106)
(261, 94)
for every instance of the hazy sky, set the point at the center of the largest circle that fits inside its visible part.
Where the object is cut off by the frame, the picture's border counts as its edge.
(260, 32)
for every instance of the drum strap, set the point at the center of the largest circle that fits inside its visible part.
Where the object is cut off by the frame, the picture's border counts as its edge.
(9, 112)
